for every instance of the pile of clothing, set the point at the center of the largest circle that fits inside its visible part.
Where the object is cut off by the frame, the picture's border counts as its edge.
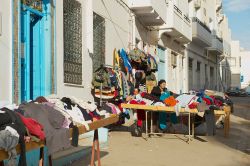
(47, 119)
(17, 129)
(204, 103)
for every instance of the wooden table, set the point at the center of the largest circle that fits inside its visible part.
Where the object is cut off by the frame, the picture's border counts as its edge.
(95, 147)
(151, 108)
(190, 112)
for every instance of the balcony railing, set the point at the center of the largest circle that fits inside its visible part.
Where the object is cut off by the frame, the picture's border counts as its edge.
(220, 39)
(186, 18)
(177, 9)
(195, 19)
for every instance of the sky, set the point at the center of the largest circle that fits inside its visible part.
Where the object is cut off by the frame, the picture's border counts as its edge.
(238, 12)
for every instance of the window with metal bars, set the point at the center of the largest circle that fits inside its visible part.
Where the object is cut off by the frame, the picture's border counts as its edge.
(174, 59)
(72, 33)
(211, 71)
(190, 63)
(98, 41)
(198, 66)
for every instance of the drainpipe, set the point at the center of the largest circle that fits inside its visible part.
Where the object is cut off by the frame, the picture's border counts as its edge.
(131, 39)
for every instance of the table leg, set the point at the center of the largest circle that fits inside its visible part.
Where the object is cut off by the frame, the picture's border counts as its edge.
(192, 126)
(189, 127)
(146, 123)
(151, 123)
(95, 143)
(50, 160)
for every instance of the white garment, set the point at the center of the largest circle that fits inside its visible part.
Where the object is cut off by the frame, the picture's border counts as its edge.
(147, 101)
(183, 102)
(77, 116)
(12, 131)
(59, 106)
(105, 113)
(159, 104)
(83, 104)
(138, 97)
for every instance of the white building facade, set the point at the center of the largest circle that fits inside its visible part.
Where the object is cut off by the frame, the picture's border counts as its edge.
(205, 51)
(235, 64)
(76, 36)
(225, 70)
(245, 68)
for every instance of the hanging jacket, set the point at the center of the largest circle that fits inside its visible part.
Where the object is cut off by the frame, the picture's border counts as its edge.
(152, 63)
(126, 61)
(101, 76)
(116, 58)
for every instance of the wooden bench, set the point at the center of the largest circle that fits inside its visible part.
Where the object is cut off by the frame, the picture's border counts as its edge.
(95, 147)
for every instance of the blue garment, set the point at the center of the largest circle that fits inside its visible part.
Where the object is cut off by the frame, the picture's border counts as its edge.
(163, 115)
(125, 59)
(165, 95)
(199, 99)
(173, 118)
(125, 85)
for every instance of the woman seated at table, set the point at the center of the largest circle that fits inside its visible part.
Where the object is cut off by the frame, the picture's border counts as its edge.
(160, 92)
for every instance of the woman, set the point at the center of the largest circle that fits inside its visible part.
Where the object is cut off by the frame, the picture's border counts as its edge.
(160, 92)
(157, 91)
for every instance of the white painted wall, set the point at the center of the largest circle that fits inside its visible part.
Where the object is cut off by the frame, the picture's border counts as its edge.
(83, 92)
(235, 63)
(6, 51)
(117, 26)
(245, 68)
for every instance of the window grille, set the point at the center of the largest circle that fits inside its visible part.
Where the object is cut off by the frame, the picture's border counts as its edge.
(99, 41)
(72, 30)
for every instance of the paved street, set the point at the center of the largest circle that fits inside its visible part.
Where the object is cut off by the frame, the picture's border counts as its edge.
(124, 150)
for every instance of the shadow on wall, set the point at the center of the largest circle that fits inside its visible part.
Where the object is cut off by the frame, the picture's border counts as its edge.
(91, 55)
(226, 74)
(149, 36)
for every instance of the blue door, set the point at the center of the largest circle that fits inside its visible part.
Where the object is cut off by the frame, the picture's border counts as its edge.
(35, 53)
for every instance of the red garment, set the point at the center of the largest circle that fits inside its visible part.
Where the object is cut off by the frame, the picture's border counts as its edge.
(120, 107)
(140, 113)
(207, 101)
(34, 127)
(94, 116)
(216, 102)
(192, 105)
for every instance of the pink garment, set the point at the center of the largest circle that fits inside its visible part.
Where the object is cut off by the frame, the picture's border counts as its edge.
(112, 107)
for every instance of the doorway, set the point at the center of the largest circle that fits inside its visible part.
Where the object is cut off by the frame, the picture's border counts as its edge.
(35, 56)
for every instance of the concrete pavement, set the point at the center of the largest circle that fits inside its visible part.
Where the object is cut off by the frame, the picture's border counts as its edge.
(124, 150)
